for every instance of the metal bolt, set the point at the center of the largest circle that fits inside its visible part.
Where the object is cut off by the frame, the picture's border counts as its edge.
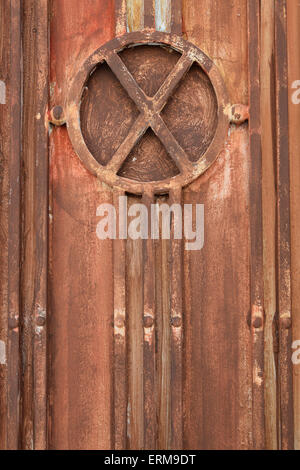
(257, 322)
(286, 323)
(57, 112)
(148, 322)
(176, 322)
(239, 113)
(40, 321)
(56, 116)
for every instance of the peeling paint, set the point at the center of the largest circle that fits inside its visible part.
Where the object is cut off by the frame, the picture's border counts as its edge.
(135, 15)
(257, 375)
(163, 15)
(2, 353)
(2, 92)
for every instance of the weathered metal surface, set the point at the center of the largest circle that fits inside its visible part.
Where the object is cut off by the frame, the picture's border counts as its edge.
(149, 345)
(35, 224)
(80, 328)
(168, 16)
(135, 15)
(176, 325)
(134, 312)
(149, 357)
(120, 390)
(214, 414)
(120, 17)
(163, 15)
(10, 153)
(218, 404)
(150, 109)
(220, 30)
(257, 315)
(149, 14)
(293, 34)
(269, 218)
(285, 370)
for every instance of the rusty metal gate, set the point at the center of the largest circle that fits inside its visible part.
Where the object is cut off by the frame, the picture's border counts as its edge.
(124, 343)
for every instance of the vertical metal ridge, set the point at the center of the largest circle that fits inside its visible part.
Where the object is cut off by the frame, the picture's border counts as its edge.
(176, 320)
(14, 219)
(120, 17)
(120, 361)
(256, 267)
(176, 20)
(293, 37)
(269, 216)
(149, 14)
(163, 335)
(150, 430)
(134, 312)
(35, 224)
(283, 231)
(135, 15)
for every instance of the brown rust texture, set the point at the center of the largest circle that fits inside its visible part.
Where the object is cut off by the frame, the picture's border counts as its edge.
(35, 224)
(134, 311)
(256, 226)
(176, 325)
(217, 395)
(81, 271)
(222, 34)
(293, 35)
(149, 14)
(148, 346)
(120, 363)
(149, 385)
(283, 231)
(269, 217)
(10, 152)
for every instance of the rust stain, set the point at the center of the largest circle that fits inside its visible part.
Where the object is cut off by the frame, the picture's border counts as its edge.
(135, 15)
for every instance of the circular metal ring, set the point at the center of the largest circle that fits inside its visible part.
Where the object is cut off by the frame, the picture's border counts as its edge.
(107, 53)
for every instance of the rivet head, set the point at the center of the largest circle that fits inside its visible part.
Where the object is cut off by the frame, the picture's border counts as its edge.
(148, 322)
(176, 322)
(57, 112)
(286, 323)
(13, 323)
(56, 116)
(239, 113)
(257, 322)
(40, 321)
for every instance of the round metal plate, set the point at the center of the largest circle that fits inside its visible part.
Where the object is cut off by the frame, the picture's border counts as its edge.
(149, 108)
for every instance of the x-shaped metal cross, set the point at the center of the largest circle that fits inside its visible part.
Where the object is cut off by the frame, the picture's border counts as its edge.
(150, 109)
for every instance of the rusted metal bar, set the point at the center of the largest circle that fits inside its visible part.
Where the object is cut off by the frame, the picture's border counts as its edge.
(163, 336)
(34, 229)
(134, 310)
(149, 14)
(120, 362)
(120, 17)
(256, 274)
(150, 430)
(10, 120)
(176, 301)
(283, 232)
(176, 22)
(269, 217)
(293, 36)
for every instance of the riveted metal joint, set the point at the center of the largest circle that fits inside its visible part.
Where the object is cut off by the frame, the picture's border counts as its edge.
(239, 114)
(57, 116)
